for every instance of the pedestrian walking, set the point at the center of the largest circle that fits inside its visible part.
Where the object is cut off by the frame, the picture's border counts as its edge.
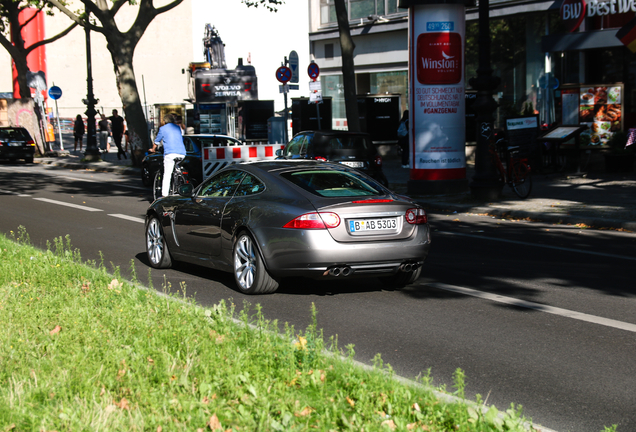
(117, 128)
(403, 138)
(78, 131)
(104, 133)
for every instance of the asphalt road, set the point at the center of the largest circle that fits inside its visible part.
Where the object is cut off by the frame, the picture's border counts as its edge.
(535, 314)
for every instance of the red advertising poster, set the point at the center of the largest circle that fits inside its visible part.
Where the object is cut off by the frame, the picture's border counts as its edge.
(437, 106)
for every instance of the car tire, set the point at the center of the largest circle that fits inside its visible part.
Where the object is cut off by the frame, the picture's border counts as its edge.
(146, 179)
(401, 279)
(250, 273)
(28, 160)
(156, 246)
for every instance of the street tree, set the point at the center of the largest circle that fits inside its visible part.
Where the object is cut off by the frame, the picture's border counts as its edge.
(11, 36)
(122, 44)
(348, 69)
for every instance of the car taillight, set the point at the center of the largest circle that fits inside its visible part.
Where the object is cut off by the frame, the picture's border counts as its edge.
(378, 160)
(31, 143)
(416, 216)
(320, 158)
(314, 221)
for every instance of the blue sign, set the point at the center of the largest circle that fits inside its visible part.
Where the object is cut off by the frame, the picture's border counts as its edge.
(313, 71)
(283, 74)
(55, 92)
(440, 26)
(293, 65)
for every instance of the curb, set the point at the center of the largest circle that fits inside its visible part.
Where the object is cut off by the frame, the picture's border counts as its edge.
(95, 166)
(555, 218)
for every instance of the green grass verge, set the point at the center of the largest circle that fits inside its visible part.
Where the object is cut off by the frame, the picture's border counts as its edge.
(80, 350)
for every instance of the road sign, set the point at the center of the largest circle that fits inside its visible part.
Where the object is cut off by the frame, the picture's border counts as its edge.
(293, 65)
(313, 70)
(283, 74)
(55, 92)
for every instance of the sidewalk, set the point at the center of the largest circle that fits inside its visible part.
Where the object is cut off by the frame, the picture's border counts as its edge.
(599, 200)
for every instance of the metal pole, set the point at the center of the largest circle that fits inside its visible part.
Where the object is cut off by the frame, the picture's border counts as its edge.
(92, 153)
(59, 125)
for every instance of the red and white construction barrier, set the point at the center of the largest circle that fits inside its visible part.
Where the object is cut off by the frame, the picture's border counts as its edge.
(215, 158)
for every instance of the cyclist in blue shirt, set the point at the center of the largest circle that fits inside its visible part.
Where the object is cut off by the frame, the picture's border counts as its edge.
(173, 148)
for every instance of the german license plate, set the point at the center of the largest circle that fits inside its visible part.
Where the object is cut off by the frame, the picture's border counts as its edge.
(15, 144)
(353, 164)
(370, 226)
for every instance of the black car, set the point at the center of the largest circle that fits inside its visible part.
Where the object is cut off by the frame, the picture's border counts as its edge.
(192, 164)
(354, 149)
(16, 143)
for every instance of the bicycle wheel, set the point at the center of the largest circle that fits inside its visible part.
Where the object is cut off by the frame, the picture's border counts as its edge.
(156, 186)
(521, 179)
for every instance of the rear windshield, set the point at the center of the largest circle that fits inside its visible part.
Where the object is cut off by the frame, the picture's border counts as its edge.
(328, 183)
(14, 134)
(348, 143)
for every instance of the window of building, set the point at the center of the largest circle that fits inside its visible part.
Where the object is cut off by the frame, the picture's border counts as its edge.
(329, 51)
(358, 9)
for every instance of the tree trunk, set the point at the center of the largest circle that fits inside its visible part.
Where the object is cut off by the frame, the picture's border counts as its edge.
(127, 87)
(348, 69)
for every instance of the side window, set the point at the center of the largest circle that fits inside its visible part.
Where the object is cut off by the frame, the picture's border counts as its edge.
(249, 186)
(189, 146)
(221, 185)
(295, 146)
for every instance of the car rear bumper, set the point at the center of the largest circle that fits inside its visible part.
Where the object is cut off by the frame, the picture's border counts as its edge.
(312, 253)
(7, 152)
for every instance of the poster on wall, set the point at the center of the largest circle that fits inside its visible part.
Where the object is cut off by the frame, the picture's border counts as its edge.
(437, 115)
(601, 109)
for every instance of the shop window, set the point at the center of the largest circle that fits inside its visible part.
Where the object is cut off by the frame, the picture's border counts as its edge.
(358, 9)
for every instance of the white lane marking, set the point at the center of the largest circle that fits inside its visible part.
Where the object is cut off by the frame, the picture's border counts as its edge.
(77, 206)
(540, 245)
(537, 306)
(126, 217)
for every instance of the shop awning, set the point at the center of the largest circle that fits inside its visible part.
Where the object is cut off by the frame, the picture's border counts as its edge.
(580, 41)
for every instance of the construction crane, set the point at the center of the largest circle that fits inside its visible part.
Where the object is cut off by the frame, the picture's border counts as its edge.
(213, 48)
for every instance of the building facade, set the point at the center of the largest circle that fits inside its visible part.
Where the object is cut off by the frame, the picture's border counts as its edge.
(548, 60)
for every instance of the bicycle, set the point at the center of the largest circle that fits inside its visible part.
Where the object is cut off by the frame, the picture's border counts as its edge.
(179, 177)
(517, 174)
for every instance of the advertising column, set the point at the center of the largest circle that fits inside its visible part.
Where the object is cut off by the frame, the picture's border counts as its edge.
(437, 107)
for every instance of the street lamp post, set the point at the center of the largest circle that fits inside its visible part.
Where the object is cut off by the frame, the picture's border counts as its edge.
(485, 183)
(92, 152)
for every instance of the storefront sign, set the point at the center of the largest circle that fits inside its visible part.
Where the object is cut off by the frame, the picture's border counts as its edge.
(574, 11)
(437, 101)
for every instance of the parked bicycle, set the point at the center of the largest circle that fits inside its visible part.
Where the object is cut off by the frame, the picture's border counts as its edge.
(179, 177)
(517, 173)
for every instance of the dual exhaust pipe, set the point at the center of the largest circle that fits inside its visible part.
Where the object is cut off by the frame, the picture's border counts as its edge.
(408, 267)
(340, 271)
(345, 271)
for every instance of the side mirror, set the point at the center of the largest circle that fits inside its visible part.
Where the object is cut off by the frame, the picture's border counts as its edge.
(279, 152)
(185, 190)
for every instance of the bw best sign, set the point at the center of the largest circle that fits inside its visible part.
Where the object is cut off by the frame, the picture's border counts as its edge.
(573, 13)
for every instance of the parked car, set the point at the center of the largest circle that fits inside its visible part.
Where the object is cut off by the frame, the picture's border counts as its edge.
(194, 143)
(16, 143)
(353, 149)
(267, 220)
